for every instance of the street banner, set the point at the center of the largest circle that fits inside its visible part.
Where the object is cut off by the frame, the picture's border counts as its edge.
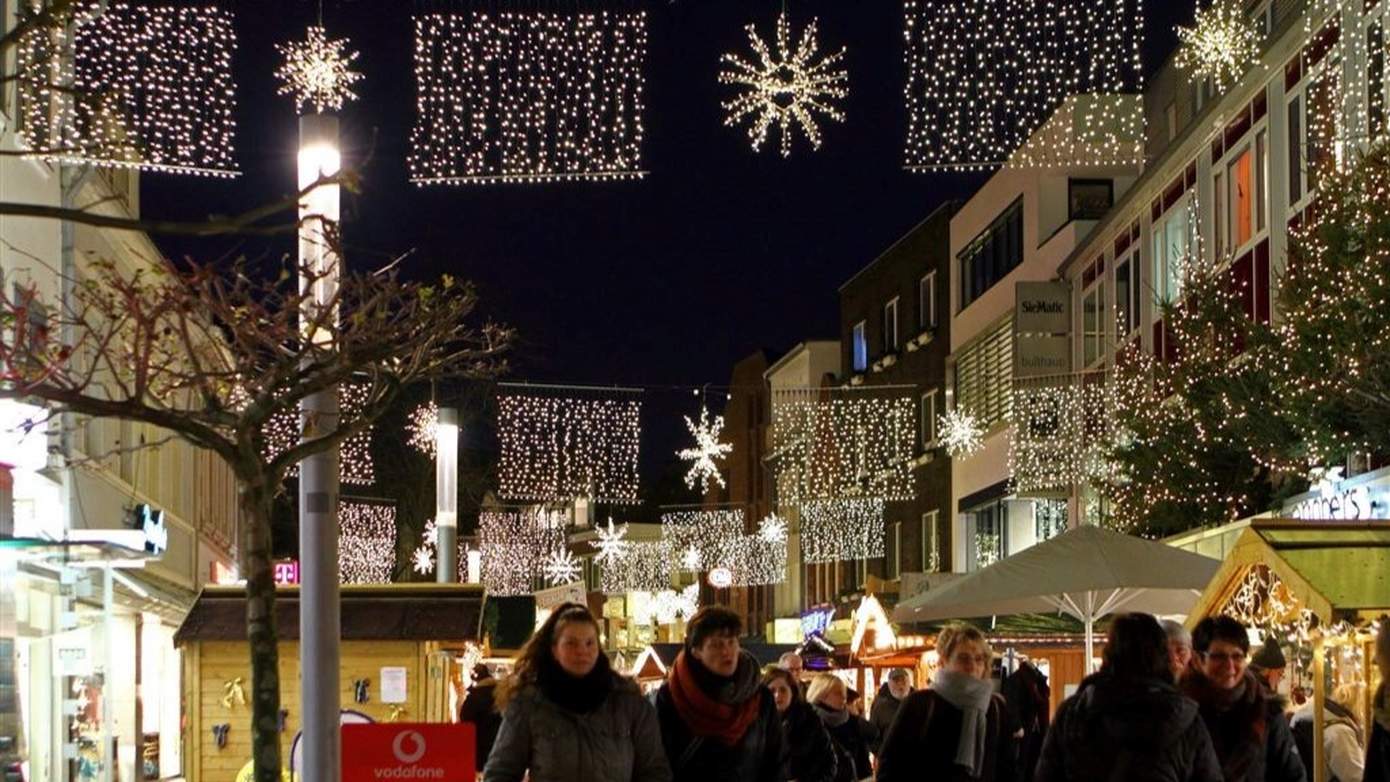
(390, 751)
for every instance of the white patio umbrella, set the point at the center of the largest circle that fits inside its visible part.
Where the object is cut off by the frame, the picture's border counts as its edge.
(1086, 572)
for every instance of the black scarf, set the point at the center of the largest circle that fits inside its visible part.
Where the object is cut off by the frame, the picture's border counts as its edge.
(578, 694)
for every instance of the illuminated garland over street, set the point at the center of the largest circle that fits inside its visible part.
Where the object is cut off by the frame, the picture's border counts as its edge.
(1219, 45)
(707, 451)
(355, 465)
(706, 533)
(148, 87)
(984, 74)
(754, 560)
(515, 546)
(1060, 436)
(366, 543)
(836, 530)
(520, 97)
(828, 445)
(317, 72)
(645, 568)
(558, 448)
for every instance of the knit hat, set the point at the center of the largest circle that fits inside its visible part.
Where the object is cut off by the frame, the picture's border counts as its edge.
(1269, 658)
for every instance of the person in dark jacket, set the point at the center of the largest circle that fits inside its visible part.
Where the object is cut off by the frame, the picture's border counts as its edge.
(810, 754)
(1129, 722)
(717, 720)
(1378, 748)
(829, 696)
(891, 695)
(480, 708)
(1245, 720)
(568, 717)
(1029, 699)
(956, 731)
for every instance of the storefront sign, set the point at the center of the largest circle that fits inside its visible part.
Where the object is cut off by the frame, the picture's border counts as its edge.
(554, 597)
(1336, 499)
(385, 752)
(816, 621)
(1039, 356)
(151, 522)
(721, 578)
(1042, 308)
(286, 572)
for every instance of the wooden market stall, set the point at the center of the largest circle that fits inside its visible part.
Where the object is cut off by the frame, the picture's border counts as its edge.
(1321, 586)
(399, 644)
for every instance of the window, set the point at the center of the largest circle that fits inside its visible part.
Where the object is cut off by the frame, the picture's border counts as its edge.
(1375, 77)
(894, 559)
(1240, 199)
(987, 533)
(926, 301)
(1261, 179)
(1127, 294)
(929, 419)
(1049, 518)
(1220, 215)
(1089, 199)
(1093, 323)
(890, 326)
(1295, 150)
(931, 553)
(1172, 115)
(992, 255)
(1172, 240)
(860, 346)
(984, 376)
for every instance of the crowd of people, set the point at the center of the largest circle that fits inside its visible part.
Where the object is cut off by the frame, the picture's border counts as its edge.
(1166, 706)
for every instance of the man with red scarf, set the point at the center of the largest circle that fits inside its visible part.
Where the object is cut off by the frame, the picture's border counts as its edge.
(718, 723)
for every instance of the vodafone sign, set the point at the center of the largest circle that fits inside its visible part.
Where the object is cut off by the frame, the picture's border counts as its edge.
(385, 752)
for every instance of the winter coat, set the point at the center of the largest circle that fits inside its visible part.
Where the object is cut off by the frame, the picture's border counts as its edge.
(620, 741)
(810, 752)
(921, 743)
(853, 737)
(757, 757)
(1133, 730)
(480, 708)
(1030, 701)
(1341, 741)
(1378, 749)
(1251, 736)
(881, 715)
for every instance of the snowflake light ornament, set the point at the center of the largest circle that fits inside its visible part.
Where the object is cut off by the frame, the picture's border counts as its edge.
(561, 567)
(423, 560)
(431, 536)
(707, 449)
(420, 427)
(316, 71)
(691, 559)
(960, 433)
(773, 529)
(611, 543)
(784, 88)
(1218, 45)
(688, 601)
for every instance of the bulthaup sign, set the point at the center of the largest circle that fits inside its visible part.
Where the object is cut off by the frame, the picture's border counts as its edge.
(390, 751)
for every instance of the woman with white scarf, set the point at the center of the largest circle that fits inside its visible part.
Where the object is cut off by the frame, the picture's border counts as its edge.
(958, 729)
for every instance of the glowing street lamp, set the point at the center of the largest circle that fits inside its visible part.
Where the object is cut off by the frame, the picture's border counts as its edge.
(446, 492)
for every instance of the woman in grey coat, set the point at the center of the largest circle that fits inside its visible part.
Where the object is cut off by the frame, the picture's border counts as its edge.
(568, 717)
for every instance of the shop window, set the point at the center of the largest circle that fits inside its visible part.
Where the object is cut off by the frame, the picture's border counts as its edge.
(931, 552)
(860, 347)
(988, 526)
(1089, 199)
(926, 301)
(1172, 244)
(1049, 518)
(1127, 294)
(992, 255)
(1093, 323)
(929, 419)
(890, 326)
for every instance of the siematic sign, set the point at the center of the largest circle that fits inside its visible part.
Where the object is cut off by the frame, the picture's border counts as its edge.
(1042, 308)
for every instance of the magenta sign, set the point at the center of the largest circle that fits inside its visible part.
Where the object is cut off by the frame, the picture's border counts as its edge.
(286, 572)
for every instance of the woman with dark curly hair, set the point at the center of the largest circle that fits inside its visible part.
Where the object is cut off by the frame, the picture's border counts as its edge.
(568, 717)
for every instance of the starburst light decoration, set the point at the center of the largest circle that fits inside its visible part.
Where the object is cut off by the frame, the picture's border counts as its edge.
(423, 560)
(130, 86)
(431, 535)
(785, 87)
(523, 97)
(773, 529)
(317, 71)
(836, 530)
(366, 541)
(420, 428)
(691, 559)
(960, 433)
(851, 442)
(557, 446)
(561, 567)
(706, 452)
(1219, 45)
(612, 545)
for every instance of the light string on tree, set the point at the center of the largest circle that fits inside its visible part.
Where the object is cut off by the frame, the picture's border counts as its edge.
(558, 447)
(845, 529)
(317, 72)
(147, 87)
(829, 443)
(983, 75)
(366, 542)
(706, 451)
(784, 86)
(515, 545)
(518, 97)
(1219, 45)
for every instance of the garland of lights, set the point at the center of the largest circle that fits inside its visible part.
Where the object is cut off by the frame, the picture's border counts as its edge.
(835, 530)
(1218, 45)
(420, 427)
(827, 445)
(528, 97)
(645, 568)
(698, 539)
(554, 448)
(145, 87)
(515, 546)
(355, 465)
(706, 452)
(960, 433)
(753, 560)
(786, 87)
(317, 72)
(1061, 435)
(773, 529)
(366, 542)
(984, 74)
(667, 605)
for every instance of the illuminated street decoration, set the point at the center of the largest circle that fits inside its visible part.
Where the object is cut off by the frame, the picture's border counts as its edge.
(355, 465)
(837, 530)
(829, 444)
(1219, 45)
(515, 545)
(701, 536)
(706, 452)
(317, 72)
(556, 448)
(612, 545)
(645, 568)
(367, 542)
(1061, 435)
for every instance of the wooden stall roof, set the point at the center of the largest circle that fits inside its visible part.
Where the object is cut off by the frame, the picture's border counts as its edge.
(402, 612)
(1333, 569)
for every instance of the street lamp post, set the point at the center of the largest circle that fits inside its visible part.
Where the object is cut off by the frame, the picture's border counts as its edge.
(446, 494)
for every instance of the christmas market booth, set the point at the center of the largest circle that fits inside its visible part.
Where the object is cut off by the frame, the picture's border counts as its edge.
(400, 646)
(1319, 590)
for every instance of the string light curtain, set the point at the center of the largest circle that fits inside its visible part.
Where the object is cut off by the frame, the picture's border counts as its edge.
(146, 87)
(515, 544)
(698, 539)
(355, 465)
(836, 530)
(366, 541)
(558, 444)
(831, 443)
(984, 74)
(645, 566)
(754, 560)
(1062, 434)
(532, 96)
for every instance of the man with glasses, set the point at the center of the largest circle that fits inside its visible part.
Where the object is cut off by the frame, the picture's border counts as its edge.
(1246, 722)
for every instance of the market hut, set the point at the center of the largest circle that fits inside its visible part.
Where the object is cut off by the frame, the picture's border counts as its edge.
(399, 644)
(1319, 588)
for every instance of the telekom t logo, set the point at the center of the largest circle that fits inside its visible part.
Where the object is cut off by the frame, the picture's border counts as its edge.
(398, 746)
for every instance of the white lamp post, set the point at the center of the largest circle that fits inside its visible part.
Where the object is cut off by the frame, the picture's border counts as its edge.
(446, 493)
